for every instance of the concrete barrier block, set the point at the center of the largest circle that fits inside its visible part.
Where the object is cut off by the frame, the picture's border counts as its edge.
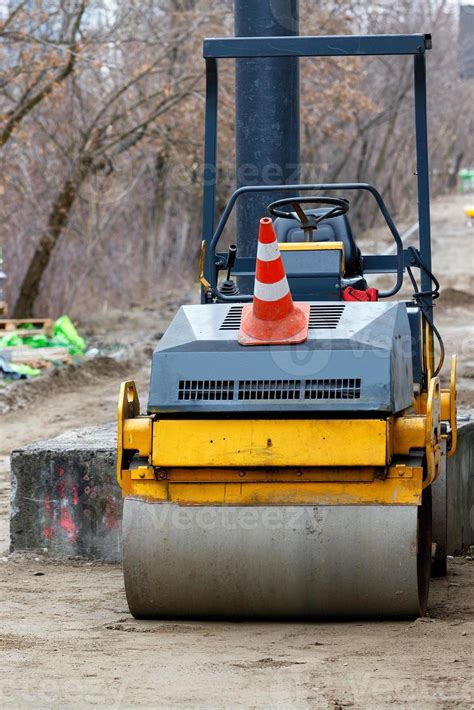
(460, 491)
(65, 498)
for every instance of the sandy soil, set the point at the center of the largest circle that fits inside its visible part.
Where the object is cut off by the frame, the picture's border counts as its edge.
(67, 639)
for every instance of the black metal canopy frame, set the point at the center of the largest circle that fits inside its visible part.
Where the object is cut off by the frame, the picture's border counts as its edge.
(336, 46)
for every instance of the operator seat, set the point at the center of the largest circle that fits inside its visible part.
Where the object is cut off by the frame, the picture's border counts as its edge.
(334, 229)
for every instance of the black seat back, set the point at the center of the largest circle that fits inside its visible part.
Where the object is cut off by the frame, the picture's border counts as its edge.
(334, 229)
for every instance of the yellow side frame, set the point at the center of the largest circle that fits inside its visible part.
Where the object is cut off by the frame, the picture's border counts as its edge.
(401, 485)
(269, 442)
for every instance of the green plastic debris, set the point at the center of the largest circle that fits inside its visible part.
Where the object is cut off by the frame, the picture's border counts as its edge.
(25, 370)
(37, 341)
(16, 370)
(64, 333)
(10, 341)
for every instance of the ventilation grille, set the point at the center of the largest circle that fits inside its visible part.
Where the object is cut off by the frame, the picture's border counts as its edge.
(277, 390)
(269, 389)
(232, 319)
(206, 390)
(325, 316)
(321, 316)
(332, 389)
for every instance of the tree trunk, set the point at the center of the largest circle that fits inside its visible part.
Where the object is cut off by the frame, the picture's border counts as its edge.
(453, 176)
(58, 218)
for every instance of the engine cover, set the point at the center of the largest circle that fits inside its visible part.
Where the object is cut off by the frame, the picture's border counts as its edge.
(358, 357)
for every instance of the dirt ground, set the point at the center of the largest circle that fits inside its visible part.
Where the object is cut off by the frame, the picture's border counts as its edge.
(67, 639)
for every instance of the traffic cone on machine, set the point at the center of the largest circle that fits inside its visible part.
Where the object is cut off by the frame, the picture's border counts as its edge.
(272, 318)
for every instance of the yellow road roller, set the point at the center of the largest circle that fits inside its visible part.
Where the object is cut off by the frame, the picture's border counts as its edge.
(296, 431)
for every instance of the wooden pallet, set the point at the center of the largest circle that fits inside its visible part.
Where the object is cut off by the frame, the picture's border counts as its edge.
(39, 358)
(42, 326)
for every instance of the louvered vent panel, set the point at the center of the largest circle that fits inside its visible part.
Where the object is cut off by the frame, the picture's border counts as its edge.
(232, 319)
(332, 389)
(206, 390)
(321, 316)
(327, 317)
(269, 389)
(266, 390)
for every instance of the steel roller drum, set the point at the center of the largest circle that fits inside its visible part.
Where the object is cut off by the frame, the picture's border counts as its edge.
(280, 561)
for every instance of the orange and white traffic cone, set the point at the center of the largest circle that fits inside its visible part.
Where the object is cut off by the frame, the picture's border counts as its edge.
(272, 318)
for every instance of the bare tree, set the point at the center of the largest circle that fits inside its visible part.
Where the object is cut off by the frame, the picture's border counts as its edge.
(102, 123)
(117, 90)
(39, 47)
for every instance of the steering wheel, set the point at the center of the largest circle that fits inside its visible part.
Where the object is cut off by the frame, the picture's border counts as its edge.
(337, 206)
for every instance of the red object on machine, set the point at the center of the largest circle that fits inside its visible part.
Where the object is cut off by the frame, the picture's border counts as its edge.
(272, 318)
(353, 294)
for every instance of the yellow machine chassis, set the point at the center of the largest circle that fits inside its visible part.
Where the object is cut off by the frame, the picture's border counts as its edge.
(283, 461)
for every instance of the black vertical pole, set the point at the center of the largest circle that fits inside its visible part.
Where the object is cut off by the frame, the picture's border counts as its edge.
(210, 162)
(422, 171)
(423, 175)
(267, 116)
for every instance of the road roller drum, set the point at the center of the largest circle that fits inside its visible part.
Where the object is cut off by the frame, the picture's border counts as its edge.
(286, 561)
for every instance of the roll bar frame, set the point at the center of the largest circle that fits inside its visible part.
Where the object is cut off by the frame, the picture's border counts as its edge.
(335, 46)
